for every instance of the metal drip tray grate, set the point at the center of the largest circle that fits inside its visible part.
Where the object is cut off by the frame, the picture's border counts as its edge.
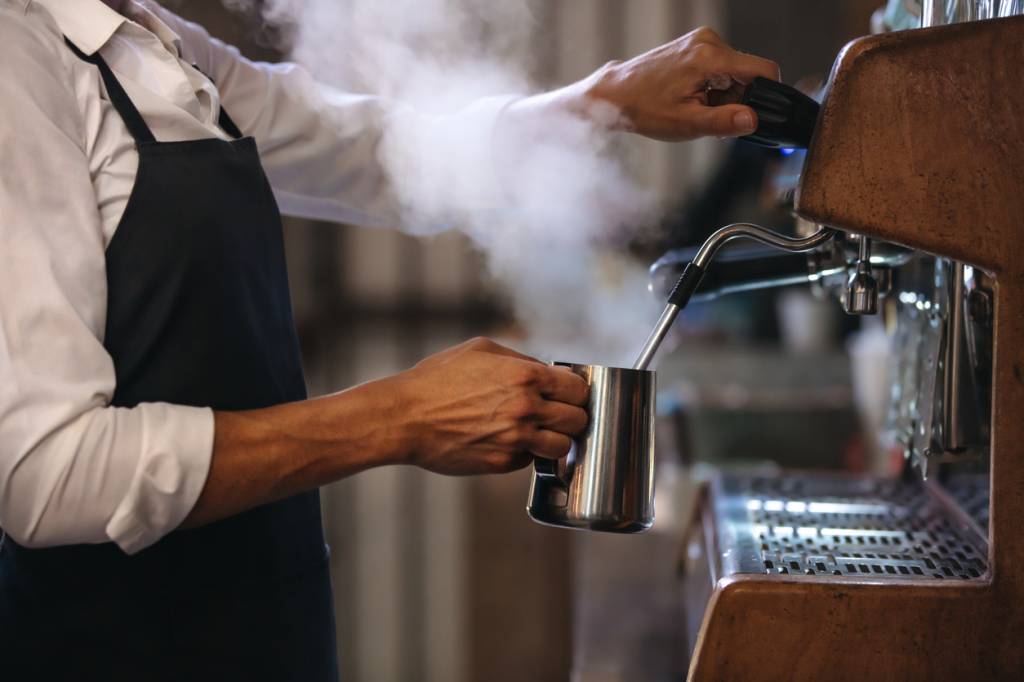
(971, 491)
(841, 527)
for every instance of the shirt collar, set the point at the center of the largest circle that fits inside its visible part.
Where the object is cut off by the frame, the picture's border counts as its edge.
(86, 23)
(89, 24)
(143, 14)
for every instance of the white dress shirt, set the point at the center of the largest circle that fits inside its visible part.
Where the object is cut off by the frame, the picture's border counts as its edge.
(72, 468)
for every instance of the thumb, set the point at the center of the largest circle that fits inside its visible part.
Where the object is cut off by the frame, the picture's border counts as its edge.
(726, 120)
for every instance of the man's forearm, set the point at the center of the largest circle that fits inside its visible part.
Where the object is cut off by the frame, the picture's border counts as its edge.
(264, 455)
(477, 408)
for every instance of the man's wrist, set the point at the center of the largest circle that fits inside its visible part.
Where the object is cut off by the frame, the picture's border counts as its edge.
(389, 405)
(591, 98)
(584, 99)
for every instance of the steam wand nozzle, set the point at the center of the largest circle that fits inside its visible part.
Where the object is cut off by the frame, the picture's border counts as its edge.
(693, 273)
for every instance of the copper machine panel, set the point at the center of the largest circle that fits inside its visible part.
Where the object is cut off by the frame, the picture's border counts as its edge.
(919, 144)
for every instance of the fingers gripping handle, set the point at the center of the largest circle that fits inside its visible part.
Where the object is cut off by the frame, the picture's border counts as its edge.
(547, 469)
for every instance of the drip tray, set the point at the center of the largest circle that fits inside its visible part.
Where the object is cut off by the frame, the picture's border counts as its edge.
(841, 526)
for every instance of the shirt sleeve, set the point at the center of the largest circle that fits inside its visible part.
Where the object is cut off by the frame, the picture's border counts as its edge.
(72, 468)
(348, 157)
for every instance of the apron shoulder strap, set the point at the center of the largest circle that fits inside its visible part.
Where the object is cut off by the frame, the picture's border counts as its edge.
(225, 122)
(118, 97)
(228, 125)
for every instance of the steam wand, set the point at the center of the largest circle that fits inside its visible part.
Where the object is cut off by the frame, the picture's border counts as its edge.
(693, 273)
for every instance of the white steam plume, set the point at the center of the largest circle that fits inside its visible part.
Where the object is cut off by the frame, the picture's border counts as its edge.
(549, 233)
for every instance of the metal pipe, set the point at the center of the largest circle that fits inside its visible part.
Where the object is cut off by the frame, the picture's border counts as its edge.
(661, 327)
(693, 273)
(760, 234)
(951, 409)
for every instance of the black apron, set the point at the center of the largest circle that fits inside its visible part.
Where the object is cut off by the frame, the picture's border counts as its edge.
(198, 314)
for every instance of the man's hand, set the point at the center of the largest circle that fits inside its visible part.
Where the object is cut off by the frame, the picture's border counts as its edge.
(482, 408)
(478, 408)
(664, 93)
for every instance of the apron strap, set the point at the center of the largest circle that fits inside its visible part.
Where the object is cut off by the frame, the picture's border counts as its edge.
(129, 114)
(227, 125)
(118, 97)
(223, 120)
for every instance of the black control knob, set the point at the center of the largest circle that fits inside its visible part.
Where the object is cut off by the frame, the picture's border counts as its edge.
(785, 116)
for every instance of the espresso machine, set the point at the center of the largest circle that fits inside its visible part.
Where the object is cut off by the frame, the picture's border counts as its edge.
(911, 202)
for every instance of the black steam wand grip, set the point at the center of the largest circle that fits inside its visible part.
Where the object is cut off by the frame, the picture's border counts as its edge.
(786, 117)
(687, 283)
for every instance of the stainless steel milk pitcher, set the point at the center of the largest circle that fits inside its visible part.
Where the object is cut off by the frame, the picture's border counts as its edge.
(607, 480)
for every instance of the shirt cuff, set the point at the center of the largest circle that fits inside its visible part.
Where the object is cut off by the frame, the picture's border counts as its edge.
(176, 450)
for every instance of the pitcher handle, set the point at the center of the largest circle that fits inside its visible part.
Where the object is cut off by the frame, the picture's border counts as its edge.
(547, 469)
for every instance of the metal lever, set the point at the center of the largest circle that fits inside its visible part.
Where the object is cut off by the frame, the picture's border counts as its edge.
(862, 290)
(694, 272)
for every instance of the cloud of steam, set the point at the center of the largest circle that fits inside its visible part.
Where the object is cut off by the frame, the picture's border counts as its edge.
(550, 226)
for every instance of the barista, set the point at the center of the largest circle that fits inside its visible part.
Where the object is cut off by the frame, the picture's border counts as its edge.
(159, 458)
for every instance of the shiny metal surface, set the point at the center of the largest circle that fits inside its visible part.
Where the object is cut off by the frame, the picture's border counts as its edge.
(952, 437)
(944, 12)
(607, 481)
(707, 251)
(826, 266)
(842, 526)
(653, 342)
(762, 234)
(941, 406)
(862, 290)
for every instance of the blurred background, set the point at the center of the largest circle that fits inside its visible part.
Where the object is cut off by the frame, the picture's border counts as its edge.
(447, 579)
